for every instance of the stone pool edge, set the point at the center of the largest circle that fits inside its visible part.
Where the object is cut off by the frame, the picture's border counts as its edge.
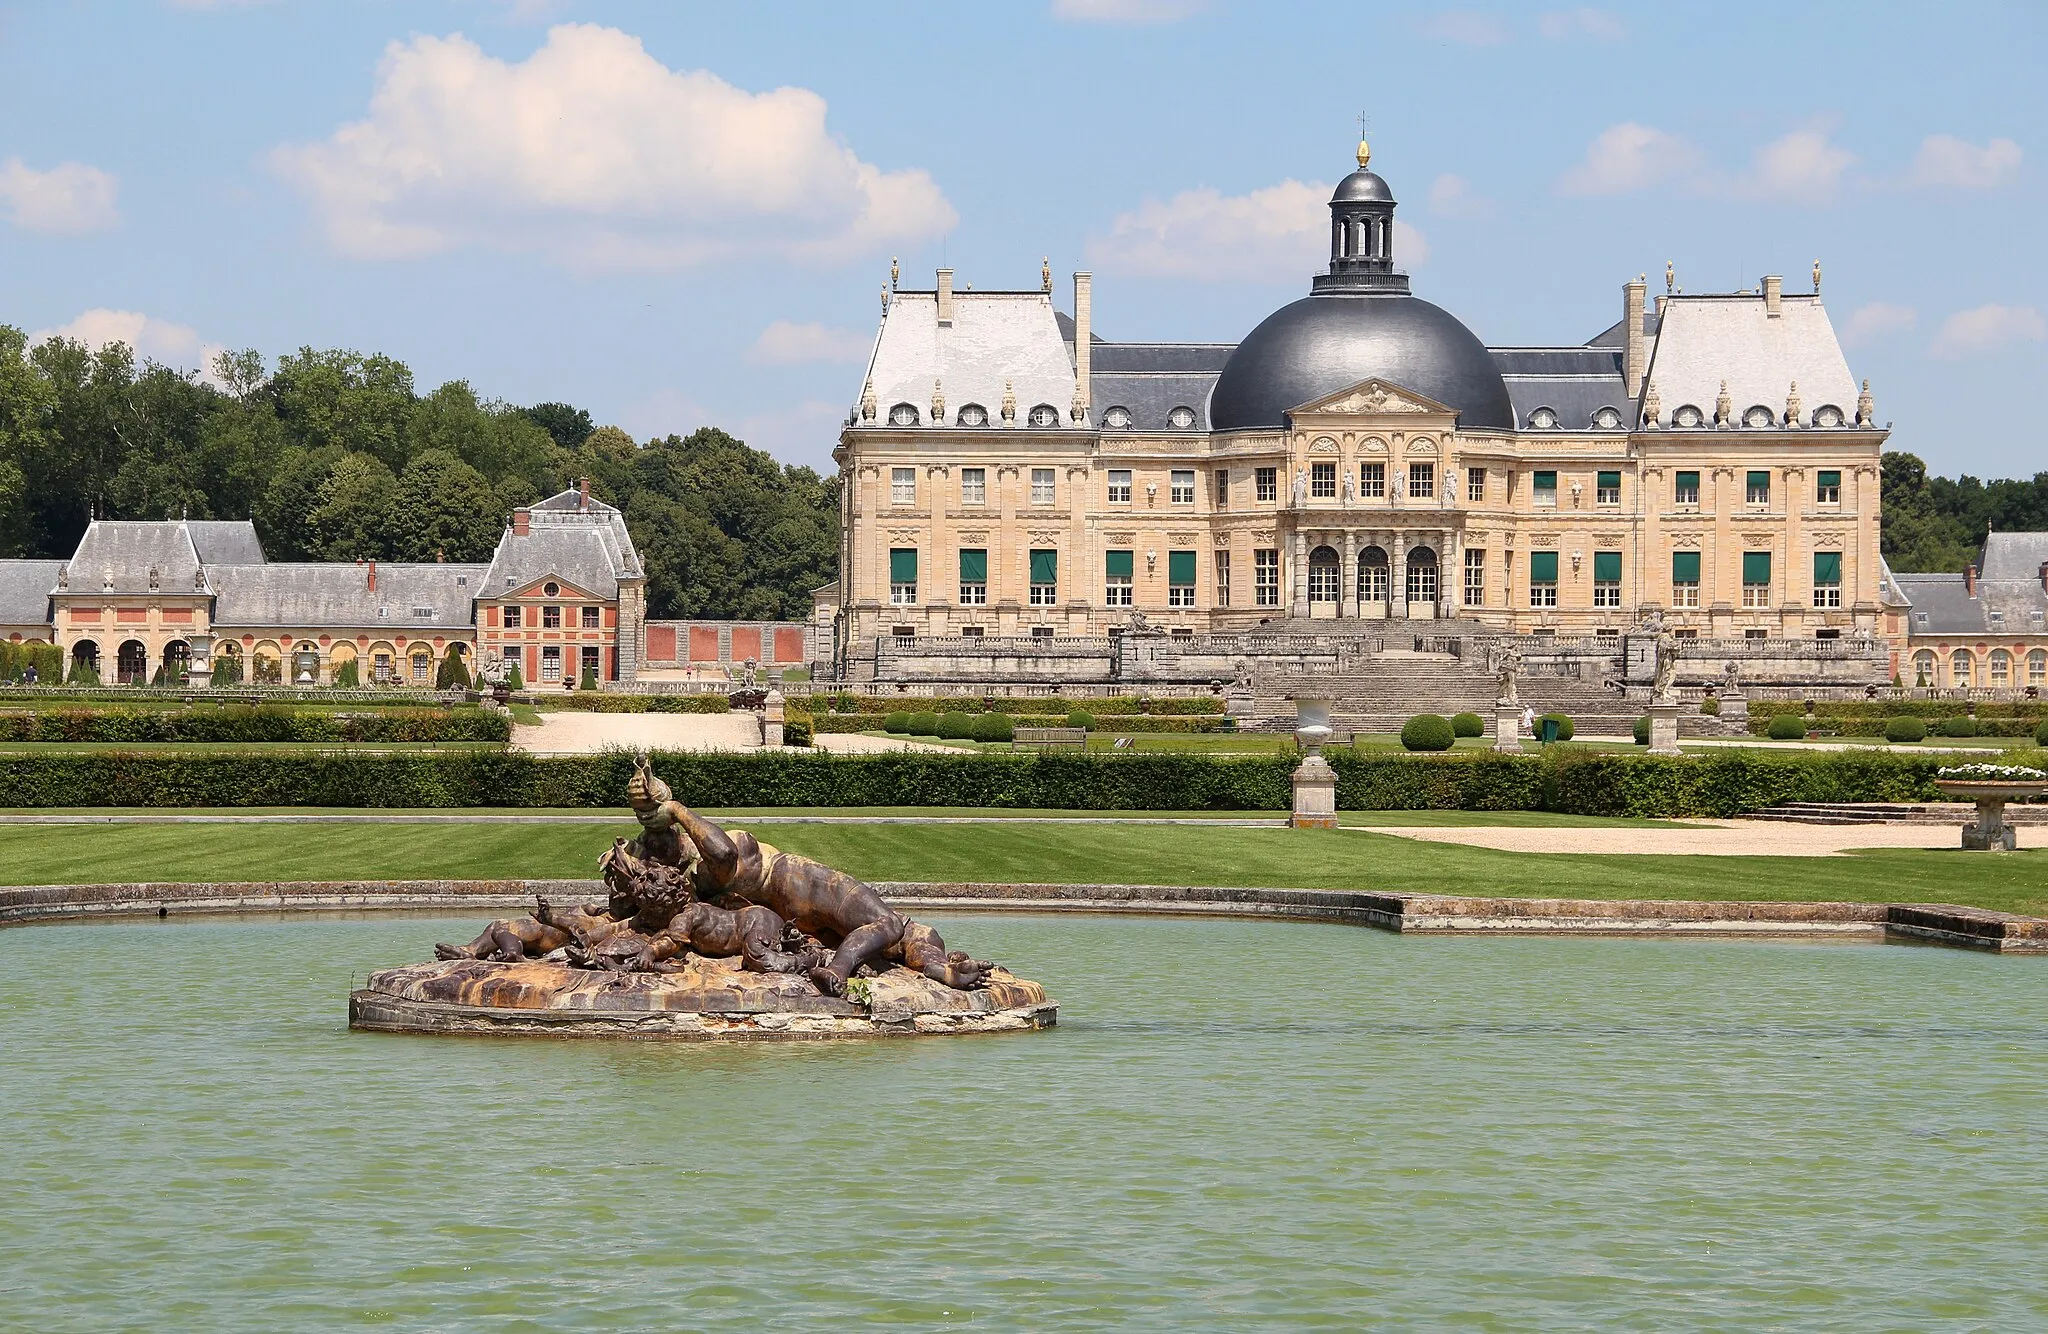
(1406, 914)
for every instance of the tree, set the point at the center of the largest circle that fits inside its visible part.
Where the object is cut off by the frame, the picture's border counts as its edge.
(336, 397)
(452, 674)
(25, 405)
(569, 426)
(443, 509)
(352, 520)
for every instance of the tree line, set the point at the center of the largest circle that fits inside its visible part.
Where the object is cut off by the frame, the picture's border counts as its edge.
(336, 456)
(1937, 524)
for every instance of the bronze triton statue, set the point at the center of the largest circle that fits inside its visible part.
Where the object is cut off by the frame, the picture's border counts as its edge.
(686, 884)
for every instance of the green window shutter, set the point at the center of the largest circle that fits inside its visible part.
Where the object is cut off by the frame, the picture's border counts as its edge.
(1045, 567)
(1830, 477)
(903, 565)
(1756, 567)
(1118, 564)
(1607, 566)
(1688, 481)
(1546, 481)
(1760, 479)
(973, 565)
(1685, 567)
(1543, 566)
(1827, 568)
(1180, 567)
(1610, 480)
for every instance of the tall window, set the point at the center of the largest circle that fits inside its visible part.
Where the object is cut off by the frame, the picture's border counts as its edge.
(1758, 490)
(1827, 487)
(1266, 577)
(2001, 667)
(1322, 480)
(551, 663)
(591, 659)
(513, 615)
(550, 618)
(974, 486)
(973, 576)
(1183, 480)
(1322, 575)
(1543, 576)
(1827, 578)
(1544, 491)
(1117, 567)
(902, 486)
(1045, 576)
(1475, 576)
(1267, 480)
(1607, 488)
(1372, 480)
(1422, 575)
(1923, 667)
(1220, 488)
(1421, 480)
(1756, 579)
(2037, 667)
(1960, 666)
(1180, 578)
(1475, 484)
(1223, 577)
(590, 618)
(1041, 486)
(1685, 578)
(1607, 578)
(1119, 486)
(903, 576)
(1686, 489)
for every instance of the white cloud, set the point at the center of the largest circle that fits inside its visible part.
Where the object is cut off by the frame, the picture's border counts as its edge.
(1126, 13)
(69, 197)
(1628, 157)
(1869, 323)
(595, 153)
(1564, 24)
(785, 343)
(1803, 167)
(1987, 327)
(1272, 235)
(1946, 162)
(150, 339)
(1453, 198)
(1466, 28)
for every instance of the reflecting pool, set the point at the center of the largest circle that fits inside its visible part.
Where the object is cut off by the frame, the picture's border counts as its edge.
(1235, 1125)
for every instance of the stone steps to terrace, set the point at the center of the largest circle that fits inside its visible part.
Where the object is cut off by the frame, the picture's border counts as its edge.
(1395, 685)
(1890, 812)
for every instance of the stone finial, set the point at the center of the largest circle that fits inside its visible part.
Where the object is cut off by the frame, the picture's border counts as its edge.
(1792, 405)
(1724, 407)
(154, 576)
(1652, 409)
(106, 578)
(1866, 410)
(867, 395)
(1078, 410)
(938, 404)
(1670, 276)
(1045, 274)
(1816, 277)
(885, 300)
(199, 577)
(894, 271)
(1009, 402)
(63, 576)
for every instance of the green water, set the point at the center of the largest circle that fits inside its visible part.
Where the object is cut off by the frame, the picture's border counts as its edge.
(1236, 1125)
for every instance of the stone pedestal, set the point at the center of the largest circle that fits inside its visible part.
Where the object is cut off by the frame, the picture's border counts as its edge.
(1664, 727)
(1239, 704)
(1315, 794)
(1990, 832)
(1507, 727)
(772, 718)
(1735, 712)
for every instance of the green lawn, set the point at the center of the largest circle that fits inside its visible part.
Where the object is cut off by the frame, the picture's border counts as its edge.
(234, 747)
(996, 851)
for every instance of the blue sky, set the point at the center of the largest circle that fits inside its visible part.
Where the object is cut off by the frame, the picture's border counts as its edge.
(678, 215)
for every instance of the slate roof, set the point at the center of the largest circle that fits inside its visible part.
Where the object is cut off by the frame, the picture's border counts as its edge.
(993, 337)
(1704, 340)
(333, 594)
(2009, 600)
(25, 591)
(225, 541)
(589, 549)
(1573, 382)
(124, 551)
(2014, 556)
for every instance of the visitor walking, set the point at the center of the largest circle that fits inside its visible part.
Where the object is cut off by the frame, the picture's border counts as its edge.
(1528, 721)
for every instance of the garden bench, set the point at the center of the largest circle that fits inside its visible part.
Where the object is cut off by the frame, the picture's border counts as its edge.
(1044, 738)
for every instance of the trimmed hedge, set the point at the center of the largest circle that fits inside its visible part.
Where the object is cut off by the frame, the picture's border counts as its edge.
(957, 726)
(1081, 718)
(1467, 724)
(1724, 783)
(2041, 736)
(898, 723)
(923, 724)
(1960, 725)
(994, 727)
(1907, 728)
(1895, 708)
(1786, 727)
(843, 702)
(590, 700)
(1427, 731)
(261, 722)
(1642, 730)
(1129, 723)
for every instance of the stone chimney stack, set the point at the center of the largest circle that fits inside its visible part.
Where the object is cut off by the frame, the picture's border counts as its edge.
(1970, 579)
(945, 298)
(373, 576)
(583, 494)
(2043, 572)
(1084, 304)
(1635, 348)
(1774, 290)
(521, 521)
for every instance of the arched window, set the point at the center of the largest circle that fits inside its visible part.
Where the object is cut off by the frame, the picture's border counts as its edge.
(86, 654)
(972, 414)
(1045, 414)
(177, 661)
(1372, 575)
(903, 414)
(2037, 667)
(1181, 419)
(1688, 415)
(1759, 416)
(1959, 668)
(1322, 575)
(1923, 667)
(1608, 419)
(2001, 667)
(1421, 574)
(1543, 419)
(1827, 414)
(131, 663)
(1118, 417)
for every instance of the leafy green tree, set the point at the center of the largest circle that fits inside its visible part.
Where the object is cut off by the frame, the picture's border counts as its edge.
(569, 426)
(336, 397)
(25, 406)
(352, 520)
(284, 514)
(443, 509)
(452, 674)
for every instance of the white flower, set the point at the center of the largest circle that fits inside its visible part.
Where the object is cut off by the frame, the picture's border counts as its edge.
(1992, 773)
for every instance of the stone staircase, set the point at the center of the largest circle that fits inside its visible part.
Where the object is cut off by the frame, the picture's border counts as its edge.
(1385, 691)
(1890, 812)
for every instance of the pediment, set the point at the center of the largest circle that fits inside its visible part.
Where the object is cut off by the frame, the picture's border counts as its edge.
(1371, 396)
(533, 588)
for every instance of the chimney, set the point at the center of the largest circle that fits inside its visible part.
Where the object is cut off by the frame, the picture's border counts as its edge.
(2043, 572)
(373, 576)
(1634, 349)
(945, 298)
(520, 519)
(1084, 304)
(1970, 579)
(583, 494)
(1774, 288)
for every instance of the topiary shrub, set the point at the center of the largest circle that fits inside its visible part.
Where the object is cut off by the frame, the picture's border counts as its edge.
(1642, 730)
(2041, 736)
(1905, 729)
(513, 680)
(588, 680)
(1467, 724)
(1427, 731)
(956, 726)
(453, 673)
(1711, 707)
(1786, 727)
(994, 727)
(1082, 719)
(345, 676)
(1564, 725)
(897, 722)
(1960, 725)
(923, 724)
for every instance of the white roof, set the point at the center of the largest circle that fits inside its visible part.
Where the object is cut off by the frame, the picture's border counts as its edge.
(993, 337)
(1703, 340)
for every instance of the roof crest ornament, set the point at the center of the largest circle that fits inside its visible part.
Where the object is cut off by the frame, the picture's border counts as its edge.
(1009, 403)
(1866, 409)
(1651, 407)
(1724, 407)
(867, 400)
(1792, 405)
(894, 272)
(1045, 274)
(1816, 279)
(938, 403)
(1364, 148)
(1670, 276)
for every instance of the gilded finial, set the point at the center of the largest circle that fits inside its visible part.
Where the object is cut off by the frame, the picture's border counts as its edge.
(1816, 277)
(1045, 274)
(893, 272)
(1364, 149)
(885, 299)
(1670, 276)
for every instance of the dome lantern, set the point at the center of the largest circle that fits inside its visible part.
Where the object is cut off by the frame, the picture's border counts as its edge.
(1362, 233)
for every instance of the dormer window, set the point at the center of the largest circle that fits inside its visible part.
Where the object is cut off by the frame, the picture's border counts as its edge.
(1827, 415)
(1181, 419)
(903, 414)
(1608, 419)
(1118, 417)
(972, 414)
(1689, 416)
(1045, 414)
(423, 613)
(1758, 417)
(1543, 419)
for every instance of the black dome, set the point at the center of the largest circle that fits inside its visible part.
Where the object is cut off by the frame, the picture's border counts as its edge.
(1322, 344)
(1362, 184)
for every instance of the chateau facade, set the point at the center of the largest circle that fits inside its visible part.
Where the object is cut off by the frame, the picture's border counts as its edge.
(1359, 458)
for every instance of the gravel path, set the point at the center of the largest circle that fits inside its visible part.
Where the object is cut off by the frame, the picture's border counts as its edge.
(587, 733)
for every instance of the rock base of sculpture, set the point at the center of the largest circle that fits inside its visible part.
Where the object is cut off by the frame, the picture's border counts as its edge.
(709, 1000)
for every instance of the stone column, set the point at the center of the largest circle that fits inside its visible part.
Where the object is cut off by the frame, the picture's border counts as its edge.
(1397, 578)
(1347, 576)
(1298, 576)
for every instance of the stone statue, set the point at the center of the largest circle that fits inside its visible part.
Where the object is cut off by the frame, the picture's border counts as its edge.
(1731, 675)
(1242, 675)
(1300, 487)
(1142, 624)
(1666, 667)
(1507, 667)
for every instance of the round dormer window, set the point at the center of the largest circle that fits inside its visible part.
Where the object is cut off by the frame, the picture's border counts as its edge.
(973, 414)
(1181, 419)
(1689, 415)
(551, 590)
(1543, 419)
(903, 414)
(1608, 419)
(1045, 414)
(1759, 416)
(1827, 415)
(1118, 417)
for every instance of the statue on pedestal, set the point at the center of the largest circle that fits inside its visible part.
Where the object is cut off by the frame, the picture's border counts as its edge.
(1507, 667)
